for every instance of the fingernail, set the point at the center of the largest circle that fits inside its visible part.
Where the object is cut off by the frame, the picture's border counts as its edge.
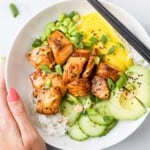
(12, 95)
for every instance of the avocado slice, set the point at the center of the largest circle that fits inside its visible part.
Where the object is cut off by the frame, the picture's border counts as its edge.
(139, 83)
(123, 105)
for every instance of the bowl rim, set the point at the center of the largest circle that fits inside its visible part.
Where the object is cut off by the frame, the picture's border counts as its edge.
(59, 3)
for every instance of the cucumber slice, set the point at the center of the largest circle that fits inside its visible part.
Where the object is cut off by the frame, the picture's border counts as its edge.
(98, 118)
(90, 128)
(103, 108)
(66, 109)
(86, 102)
(76, 133)
(72, 99)
(110, 127)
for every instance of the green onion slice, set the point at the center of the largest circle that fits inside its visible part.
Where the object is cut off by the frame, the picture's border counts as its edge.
(111, 50)
(103, 39)
(58, 69)
(110, 84)
(14, 10)
(48, 84)
(45, 68)
(120, 45)
(97, 60)
(121, 81)
(37, 43)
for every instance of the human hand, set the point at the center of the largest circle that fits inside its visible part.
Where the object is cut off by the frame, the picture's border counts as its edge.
(16, 129)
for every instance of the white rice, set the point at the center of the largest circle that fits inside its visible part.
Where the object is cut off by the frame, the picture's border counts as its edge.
(55, 125)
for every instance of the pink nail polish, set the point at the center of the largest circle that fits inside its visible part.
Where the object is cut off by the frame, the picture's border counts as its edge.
(12, 95)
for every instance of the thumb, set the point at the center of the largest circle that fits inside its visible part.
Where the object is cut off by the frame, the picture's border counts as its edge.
(19, 113)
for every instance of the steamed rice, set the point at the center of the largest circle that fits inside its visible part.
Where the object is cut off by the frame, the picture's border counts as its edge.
(55, 125)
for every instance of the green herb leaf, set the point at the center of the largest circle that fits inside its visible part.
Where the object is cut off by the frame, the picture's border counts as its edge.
(79, 36)
(97, 60)
(37, 43)
(72, 13)
(120, 45)
(111, 50)
(58, 69)
(103, 39)
(93, 40)
(102, 57)
(14, 10)
(88, 45)
(121, 81)
(45, 68)
(48, 84)
(111, 84)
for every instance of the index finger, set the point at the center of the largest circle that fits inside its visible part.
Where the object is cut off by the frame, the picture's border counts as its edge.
(3, 93)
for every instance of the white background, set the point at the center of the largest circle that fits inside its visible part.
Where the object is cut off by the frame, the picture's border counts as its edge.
(139, 140)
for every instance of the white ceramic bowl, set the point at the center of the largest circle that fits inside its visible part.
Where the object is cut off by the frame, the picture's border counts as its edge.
(18, 69)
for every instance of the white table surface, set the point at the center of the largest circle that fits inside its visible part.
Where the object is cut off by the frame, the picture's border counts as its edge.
(140, 139)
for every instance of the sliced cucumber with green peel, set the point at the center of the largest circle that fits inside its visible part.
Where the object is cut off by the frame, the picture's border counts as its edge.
(90, 128)
(102, 107)
(67, 109)
(123, 105)
(139, 83)
(76, 133)
(100, 113)
(86, 101)
(110, 127)
(72, 99)
(98, 118)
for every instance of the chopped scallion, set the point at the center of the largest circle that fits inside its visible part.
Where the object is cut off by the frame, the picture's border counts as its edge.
(14, 10)
(58, 69)
(102, 57)
(111, 84)
(97, 60)
(48, 84)
(103, 39)
(93, 40)
(45, 68)
(111, 50)
(121, 81)
(37, 43)
(120, 45)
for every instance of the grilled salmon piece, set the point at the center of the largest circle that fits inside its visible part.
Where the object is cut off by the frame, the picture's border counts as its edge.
(105, 71)
(79, 87)
(49, 101)
(73, 68)
(81, 53)
(39, 79)
(100, 88)
(89, 67)
(41, 56)
(57, 81)
(61, 47)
